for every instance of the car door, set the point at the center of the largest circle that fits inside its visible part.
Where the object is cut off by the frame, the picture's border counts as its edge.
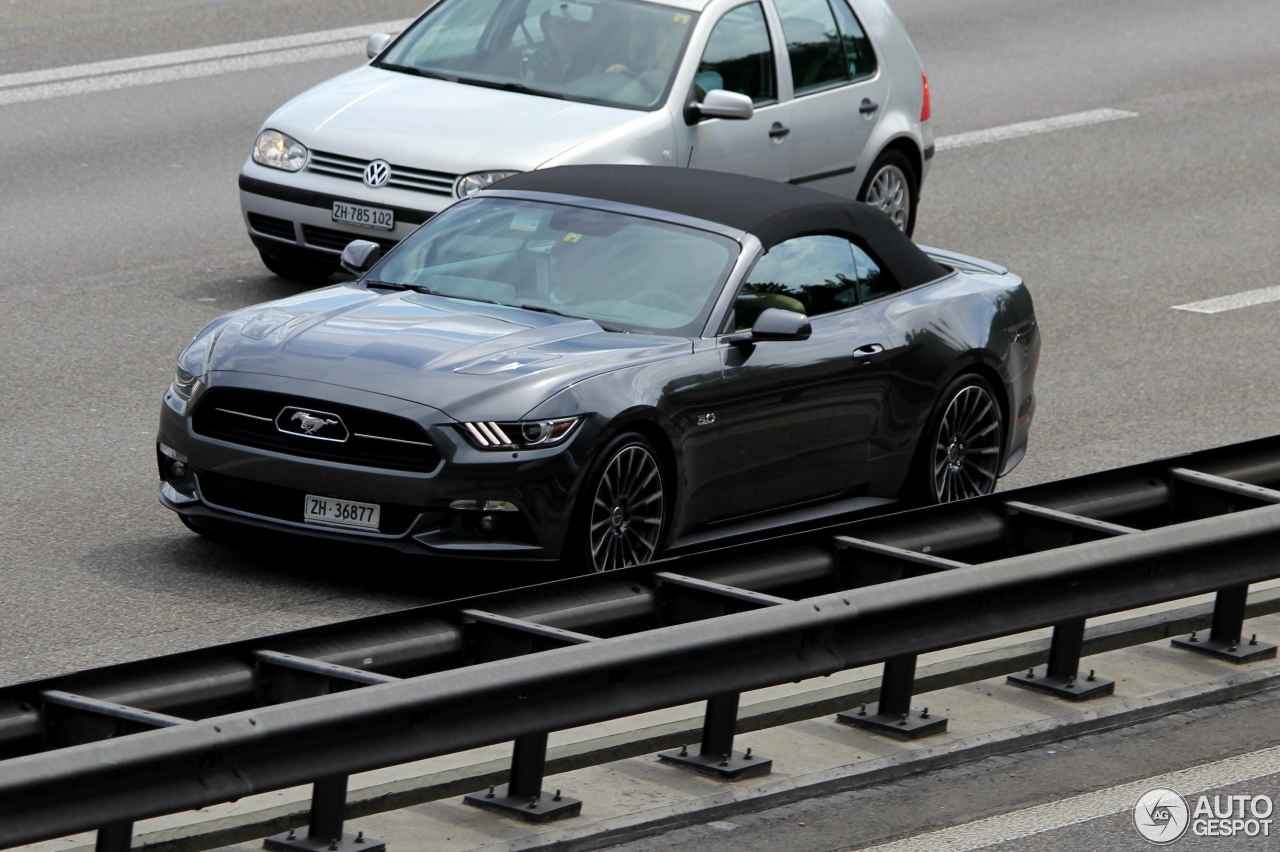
(739, 57)
(794, 418)
(837, 95)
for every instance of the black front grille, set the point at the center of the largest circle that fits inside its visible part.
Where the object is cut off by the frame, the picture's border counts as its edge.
(285, 504)
(376, 439)
(337, 240)
(272, 227)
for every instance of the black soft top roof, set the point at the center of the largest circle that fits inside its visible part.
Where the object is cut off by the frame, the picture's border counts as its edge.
(773, 211)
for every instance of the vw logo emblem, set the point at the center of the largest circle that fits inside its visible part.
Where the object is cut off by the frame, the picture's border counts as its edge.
(377, 174)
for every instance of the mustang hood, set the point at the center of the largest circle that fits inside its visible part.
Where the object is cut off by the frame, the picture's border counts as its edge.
(469, 360)
(371, 113)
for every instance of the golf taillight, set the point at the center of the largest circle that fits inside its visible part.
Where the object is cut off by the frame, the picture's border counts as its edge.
(926, 109)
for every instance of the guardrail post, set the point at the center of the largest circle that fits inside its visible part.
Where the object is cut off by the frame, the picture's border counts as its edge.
(1227, 631)
(716, 756)
(522, 796)
(116, 837)
(1061, 677)
(324, 828)
(891, 715)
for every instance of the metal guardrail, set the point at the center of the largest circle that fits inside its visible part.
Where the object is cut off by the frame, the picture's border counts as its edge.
(315, 706)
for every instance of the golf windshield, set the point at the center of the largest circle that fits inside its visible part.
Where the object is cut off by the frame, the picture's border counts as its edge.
(625, 272)
(612, 52)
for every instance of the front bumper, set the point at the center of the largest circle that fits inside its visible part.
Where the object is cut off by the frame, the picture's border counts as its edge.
(266, 488)
(291, 215)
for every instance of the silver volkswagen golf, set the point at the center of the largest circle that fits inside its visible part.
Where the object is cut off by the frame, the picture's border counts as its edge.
(826, 93)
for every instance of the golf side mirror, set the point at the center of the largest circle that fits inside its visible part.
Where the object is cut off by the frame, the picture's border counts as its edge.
(775, 324)
(376, 44)
(719, 103)
(359, 256)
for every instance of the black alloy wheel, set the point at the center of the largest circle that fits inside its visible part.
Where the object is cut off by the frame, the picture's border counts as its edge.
(966, 434)
(626, 517)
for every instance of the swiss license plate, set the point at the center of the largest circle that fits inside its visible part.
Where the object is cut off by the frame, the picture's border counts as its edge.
(347, 513)
(366, 217)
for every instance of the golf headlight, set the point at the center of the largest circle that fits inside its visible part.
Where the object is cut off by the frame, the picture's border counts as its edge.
(473, 183)
(520, 434)
(278, 151)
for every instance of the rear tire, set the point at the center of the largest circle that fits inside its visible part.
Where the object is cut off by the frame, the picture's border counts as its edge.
(621, 516)
(962, 445)
(310, 272)
(893, 188)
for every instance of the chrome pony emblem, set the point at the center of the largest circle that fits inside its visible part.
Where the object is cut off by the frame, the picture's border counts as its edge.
(310, 423)
(377, 174)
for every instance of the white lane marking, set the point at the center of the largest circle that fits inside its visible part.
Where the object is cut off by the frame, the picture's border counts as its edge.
(187, 64)
(1030, 128)
(1247, 299)
(1088, 806)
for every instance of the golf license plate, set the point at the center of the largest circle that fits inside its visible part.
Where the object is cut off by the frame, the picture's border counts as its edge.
(345, 513)
(366, 217)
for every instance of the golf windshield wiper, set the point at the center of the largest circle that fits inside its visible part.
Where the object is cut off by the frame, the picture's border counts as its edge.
(409, 69)
(509, 86)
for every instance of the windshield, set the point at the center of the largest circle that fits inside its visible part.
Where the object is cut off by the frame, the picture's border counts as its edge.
(625, 272)
(613, 52)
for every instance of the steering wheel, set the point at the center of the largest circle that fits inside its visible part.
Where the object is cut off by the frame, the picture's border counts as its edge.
(657, 298)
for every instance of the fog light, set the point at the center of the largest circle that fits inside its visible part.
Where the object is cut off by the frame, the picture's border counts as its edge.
(486, 523)
(178, 469)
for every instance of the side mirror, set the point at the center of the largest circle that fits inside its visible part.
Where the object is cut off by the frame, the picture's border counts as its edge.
(377, 43)
(775, 324)
(719, 103)
(359, 256)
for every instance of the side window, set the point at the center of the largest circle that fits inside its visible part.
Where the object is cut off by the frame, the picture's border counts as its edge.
(857, 47)
(873, 282)
(813, 43)
(810, 275)
(739, 56)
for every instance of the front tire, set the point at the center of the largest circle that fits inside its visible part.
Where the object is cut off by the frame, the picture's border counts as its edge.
(893, 187)
(310, 272)
(621, 517)
(961, 448)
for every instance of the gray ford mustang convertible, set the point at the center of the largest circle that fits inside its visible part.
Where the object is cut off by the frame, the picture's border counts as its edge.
(602, 364)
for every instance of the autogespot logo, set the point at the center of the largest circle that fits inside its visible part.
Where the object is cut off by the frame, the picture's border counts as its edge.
(1161, 816)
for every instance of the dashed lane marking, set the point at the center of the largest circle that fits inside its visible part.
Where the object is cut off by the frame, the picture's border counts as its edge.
(1247, 299)
(26, 86)
(1030, 128)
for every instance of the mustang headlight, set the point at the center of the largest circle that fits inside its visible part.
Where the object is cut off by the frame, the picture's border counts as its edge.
(184, 382)
(193, 363)
(520, 434)
(473, 183)
(279, 151)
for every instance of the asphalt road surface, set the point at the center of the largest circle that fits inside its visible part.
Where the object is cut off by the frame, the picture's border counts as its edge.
(120, 235)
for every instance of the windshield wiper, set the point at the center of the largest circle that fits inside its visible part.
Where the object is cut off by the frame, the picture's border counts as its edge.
(417, 72)
(605, 324)
(389, 285)
(509, 86)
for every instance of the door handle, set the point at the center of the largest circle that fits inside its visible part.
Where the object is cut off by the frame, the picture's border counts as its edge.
(779, 130)
(868, 350)
(868, 106)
